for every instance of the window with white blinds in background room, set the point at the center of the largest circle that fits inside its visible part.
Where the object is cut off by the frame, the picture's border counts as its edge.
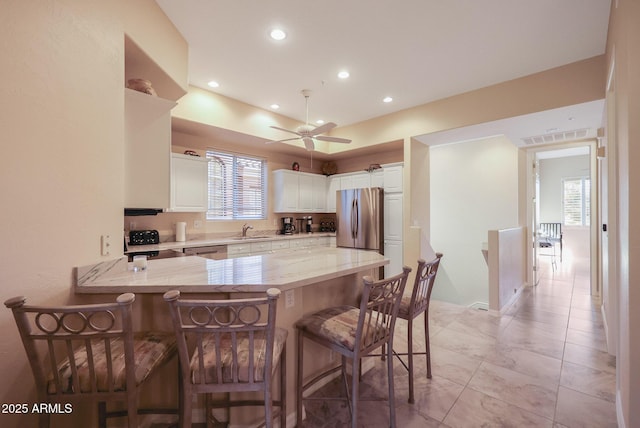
(576, 201)
(237, 186)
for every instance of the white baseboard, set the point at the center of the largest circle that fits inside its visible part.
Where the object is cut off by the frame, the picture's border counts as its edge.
(619, 412)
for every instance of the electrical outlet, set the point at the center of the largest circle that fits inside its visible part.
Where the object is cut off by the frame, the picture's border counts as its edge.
(289, 299)
(105, 245)
(197, 224)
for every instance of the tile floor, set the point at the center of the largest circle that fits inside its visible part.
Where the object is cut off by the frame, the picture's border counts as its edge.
(543, 363)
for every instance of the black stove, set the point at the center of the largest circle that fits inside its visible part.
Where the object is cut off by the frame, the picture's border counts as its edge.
(144, 237)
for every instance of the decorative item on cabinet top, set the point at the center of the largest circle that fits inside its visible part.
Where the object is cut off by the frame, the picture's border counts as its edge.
(191, 153)
(373, 167)
(329, 168)
(141, 85)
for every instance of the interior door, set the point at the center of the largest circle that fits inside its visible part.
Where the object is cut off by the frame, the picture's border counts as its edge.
(535, 222)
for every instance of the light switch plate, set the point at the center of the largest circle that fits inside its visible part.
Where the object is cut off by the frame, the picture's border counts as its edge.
(289, 299)
(105, 244)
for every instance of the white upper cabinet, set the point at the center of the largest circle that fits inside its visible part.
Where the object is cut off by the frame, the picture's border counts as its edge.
(332, 187)
(361, 180)
(393, 178)
(285, 191)
(189, 176)
(299, 192)
(377, 178)
(319, 193)
(305, 193)
(147, 152)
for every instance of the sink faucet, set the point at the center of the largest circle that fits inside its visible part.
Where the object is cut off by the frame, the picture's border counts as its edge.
(245, 227)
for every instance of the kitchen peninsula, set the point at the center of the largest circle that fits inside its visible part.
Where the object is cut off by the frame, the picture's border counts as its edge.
(310, 279)
(283, 270)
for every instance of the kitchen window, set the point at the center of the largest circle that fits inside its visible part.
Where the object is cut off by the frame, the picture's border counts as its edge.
(576, 201)
(237, 186)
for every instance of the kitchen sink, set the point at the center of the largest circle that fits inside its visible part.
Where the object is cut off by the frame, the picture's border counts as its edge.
(246, 238)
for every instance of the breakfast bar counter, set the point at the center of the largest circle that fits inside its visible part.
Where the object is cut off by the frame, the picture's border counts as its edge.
(192, 274)
(310, 279)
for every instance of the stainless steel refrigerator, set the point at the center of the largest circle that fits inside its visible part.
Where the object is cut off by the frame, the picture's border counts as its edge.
(360, 219)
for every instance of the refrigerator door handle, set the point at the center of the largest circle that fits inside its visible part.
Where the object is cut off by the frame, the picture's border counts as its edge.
(353, 220)
(356, 224)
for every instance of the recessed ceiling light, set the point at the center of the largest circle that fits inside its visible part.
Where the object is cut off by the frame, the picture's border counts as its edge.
(275, 106)
(343, 74)
(213, 84)
(387, 99)
(278, 34)
(319, 121)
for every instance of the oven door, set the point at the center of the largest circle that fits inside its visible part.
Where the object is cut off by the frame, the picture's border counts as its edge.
(155, 255)
(215, 252)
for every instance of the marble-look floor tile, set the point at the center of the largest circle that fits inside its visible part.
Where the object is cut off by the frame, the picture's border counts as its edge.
(526, 362)
(454, 366)
(481, 322)
(594, 340)
(590, 357)
(433, 398)
(584, 302)
(545, 306)
(601, 384)
(586, 325)
(472, 345)
(474, 408)
(575, 409)
(527, 392)
(586, 314)
(533, 314)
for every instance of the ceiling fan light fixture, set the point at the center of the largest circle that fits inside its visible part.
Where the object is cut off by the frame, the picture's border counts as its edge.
(278, 34)
(319, 121)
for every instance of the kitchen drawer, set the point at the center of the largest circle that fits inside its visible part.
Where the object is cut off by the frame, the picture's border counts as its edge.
(260, 247)
(235, 249)
(298, 243)
(279, 245)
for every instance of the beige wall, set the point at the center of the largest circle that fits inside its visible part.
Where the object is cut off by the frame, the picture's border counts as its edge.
(624, 59)
(62, 121)
(474, 189)
(61, 172)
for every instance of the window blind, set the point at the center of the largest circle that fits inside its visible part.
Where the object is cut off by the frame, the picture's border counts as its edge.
(237, 186)
(576, 201)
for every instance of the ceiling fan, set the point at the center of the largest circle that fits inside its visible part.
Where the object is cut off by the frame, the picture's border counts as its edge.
(307, 133)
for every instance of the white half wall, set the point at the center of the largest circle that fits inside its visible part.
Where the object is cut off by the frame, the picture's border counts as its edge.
(473, 188)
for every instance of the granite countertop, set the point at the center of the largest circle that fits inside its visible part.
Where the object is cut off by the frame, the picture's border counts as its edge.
(284, 270)
(202, 242)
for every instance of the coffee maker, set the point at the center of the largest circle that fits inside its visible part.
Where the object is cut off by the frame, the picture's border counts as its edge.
(288, 228)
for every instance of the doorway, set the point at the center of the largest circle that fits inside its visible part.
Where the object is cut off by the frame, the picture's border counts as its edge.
(561, 191)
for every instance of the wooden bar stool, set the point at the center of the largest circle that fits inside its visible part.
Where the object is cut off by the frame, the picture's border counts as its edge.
(228, 346)
(354, 333)
(413, 305)
(93, 354)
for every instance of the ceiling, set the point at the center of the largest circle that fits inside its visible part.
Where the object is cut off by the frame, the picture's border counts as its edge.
(415, 51)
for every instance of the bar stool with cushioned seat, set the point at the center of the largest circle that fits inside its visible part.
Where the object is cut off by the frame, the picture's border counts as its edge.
(413, 305)
(235, 347)
(93, 354)
(354, 333)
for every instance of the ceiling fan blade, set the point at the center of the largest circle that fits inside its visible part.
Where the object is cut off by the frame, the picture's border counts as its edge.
(285, 130)
(282, 141)
(333, 139)
(308, 143)
(323, 128)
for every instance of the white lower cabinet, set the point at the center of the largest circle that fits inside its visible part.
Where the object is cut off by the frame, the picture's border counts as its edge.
(238, 250)
(393, 251)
